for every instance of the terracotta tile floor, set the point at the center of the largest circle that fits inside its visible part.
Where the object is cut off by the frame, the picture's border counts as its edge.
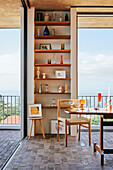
(8, 141)
(48, 154)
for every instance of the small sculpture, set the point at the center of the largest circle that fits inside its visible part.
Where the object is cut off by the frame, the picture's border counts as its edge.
(44, 75)
(46, 88)
(60, 89)
(40, 88)
(61, 59)
(46, 18)
(38, 72)
(65, 88)
(53, 31)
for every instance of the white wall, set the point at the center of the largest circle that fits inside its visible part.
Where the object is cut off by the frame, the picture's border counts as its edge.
(73, 62)
(30, 63)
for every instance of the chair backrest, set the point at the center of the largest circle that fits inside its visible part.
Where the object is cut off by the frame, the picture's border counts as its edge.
(67, 103)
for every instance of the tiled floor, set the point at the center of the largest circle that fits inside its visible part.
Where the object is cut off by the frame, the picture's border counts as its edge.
(8, 141)
(48, 154)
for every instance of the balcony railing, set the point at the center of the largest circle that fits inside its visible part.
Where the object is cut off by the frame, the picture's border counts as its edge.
(10, 110)
(93, 102)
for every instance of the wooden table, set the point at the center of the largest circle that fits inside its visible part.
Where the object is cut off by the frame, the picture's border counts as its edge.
(103, 115)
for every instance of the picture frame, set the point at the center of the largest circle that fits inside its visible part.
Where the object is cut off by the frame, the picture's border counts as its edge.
(60, 73)
(54, 127)
(45, 46)
(35, 110)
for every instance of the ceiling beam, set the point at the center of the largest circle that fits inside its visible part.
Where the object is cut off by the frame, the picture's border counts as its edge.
(23, 3)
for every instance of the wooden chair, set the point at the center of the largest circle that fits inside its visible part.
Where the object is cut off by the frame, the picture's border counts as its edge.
(81, 121)
(34, 120)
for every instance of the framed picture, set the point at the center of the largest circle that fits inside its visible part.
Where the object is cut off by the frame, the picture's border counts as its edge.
(54, 127)
(35, 110)
(45, 46)
(60, 73)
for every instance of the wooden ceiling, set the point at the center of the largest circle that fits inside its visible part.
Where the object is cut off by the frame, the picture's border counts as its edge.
(10, 9)
(65, 4)
(10, 13)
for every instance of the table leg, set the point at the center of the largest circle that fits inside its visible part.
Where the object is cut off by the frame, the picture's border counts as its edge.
(101, 141)
(31, 130)
(34, 127)
(100, 149)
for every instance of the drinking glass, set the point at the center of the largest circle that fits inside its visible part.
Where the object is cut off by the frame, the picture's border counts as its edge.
(99, 99)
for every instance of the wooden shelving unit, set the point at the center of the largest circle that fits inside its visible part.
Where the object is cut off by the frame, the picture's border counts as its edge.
(52, 37)
(39, 62)
(52, 65)
(52, 23)
(52, 51)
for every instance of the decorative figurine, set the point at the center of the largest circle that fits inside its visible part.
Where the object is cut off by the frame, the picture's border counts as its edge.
(53, 31)
(61, 59)
(65, 88)
(38, 72)
(46, 18)
(44, 75)
(46, 31)
(40, 88)
(60, 18)
(60, 89)
(46, 88)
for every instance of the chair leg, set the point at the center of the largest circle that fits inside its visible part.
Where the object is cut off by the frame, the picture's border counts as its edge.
(57, 130)
(31, 130)
(66, 133)
(89, 132)
(79, 132)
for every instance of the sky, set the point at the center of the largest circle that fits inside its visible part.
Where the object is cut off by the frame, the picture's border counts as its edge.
(10, 61)
(95, 61)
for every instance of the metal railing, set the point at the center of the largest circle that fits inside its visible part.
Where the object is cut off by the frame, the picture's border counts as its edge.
(93, 102)
(10, 110)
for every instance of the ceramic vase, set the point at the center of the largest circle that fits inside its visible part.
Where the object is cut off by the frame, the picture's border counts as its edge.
(46, 31)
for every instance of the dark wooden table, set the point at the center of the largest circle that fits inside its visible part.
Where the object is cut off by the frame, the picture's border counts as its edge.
(103, 115)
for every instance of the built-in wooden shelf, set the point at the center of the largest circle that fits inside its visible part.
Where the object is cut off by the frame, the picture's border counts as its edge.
(52, 65)
(52, 107)
(52, 51)
(53, 93)
(53, 79)
(52, 23)
(52, 37)
(49, 107)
